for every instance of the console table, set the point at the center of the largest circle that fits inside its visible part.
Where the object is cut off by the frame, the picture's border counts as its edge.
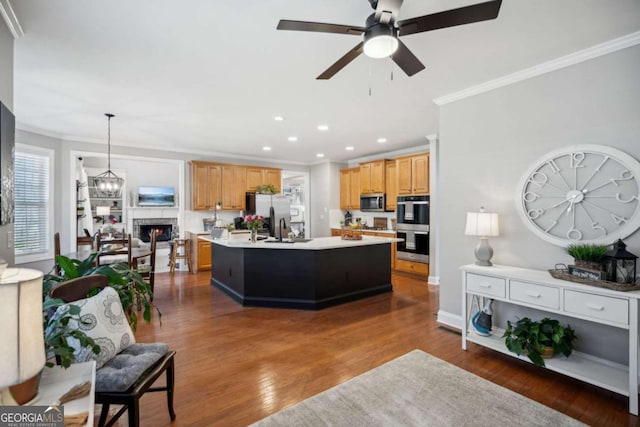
(537, 289)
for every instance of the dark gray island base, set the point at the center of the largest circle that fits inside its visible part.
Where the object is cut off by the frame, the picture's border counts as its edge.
(295, 276)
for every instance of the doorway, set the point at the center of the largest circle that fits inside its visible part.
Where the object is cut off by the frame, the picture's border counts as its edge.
(296, 186)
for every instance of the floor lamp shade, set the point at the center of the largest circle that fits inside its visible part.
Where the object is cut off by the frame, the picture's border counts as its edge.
(22, 354)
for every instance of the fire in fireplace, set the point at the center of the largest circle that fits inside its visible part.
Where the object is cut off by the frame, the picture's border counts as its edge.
(162, 231)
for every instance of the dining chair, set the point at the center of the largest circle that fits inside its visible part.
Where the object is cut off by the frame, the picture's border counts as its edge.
(129, 374)
(56, 252)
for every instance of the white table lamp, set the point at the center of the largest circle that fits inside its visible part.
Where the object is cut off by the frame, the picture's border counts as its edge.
(22, 354)
(103, 211)
(482, 224)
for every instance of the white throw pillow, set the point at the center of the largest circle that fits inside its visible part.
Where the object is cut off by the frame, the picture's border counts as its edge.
(104, 321)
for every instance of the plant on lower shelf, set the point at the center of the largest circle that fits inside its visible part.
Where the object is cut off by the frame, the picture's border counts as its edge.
(587, 255)
(528, 337)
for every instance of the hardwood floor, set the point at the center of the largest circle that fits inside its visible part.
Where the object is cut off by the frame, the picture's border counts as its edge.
(236, 365)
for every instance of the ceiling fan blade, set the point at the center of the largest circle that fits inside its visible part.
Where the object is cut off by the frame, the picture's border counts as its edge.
(319, 27)
(450, 18)
(407, 60)
(387, 11)
(342, 62)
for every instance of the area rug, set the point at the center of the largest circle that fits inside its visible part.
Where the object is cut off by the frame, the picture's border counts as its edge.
(417, 389)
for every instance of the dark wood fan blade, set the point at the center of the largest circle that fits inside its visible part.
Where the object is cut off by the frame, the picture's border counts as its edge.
(342, 62)
(450, 18)
(319, 27)
(407, 60)
(389, 8)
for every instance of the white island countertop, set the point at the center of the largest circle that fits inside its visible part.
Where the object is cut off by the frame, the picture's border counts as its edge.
(317, 243)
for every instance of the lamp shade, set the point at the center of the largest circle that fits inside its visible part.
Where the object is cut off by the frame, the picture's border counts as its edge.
(483, 224)
(103, 210)
(22, 353)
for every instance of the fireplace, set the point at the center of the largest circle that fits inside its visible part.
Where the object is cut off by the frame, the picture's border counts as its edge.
(163, 227)
(162, 232)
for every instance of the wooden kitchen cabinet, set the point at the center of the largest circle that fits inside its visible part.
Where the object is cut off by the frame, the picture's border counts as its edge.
(413, 174)
(350, 188)
(391, 185)
(234, 184)
(260, 176)
(372, 177)
(417, 268)
(200, 252)
(205, 185)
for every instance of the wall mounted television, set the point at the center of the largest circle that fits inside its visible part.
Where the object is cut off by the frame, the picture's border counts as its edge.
(156, 196)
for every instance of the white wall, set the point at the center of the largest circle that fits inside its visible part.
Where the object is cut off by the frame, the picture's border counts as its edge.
(489, 140)
(324, 196)
(6, 96)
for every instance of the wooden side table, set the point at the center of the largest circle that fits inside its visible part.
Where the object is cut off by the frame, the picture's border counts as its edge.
(56, 381)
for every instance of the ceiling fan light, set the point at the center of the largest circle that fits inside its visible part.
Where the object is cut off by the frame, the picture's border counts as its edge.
(380, 47)
(380, 41)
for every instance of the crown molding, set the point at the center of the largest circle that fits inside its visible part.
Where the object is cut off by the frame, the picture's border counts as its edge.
(11, 19)
(543, 68)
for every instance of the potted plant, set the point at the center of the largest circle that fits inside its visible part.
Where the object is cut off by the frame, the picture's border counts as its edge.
(587, 255)
(131, 287)
(57, 331)
(266, 189)
(539, 340)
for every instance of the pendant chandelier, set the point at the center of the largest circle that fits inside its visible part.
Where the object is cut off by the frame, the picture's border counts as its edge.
(108, 184)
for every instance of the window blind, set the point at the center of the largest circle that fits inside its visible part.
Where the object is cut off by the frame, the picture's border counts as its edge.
(31, 191)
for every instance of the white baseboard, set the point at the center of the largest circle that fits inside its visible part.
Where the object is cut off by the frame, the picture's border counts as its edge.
(434, 280)
(449, 319)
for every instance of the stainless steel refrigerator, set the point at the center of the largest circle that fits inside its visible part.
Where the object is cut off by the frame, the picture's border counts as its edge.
(276, 207)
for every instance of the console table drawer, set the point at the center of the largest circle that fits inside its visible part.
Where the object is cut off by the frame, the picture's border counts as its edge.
(492, 286)
(610, 309)
(530, 293)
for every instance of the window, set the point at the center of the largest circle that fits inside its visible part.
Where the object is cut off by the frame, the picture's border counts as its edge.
(33, 200)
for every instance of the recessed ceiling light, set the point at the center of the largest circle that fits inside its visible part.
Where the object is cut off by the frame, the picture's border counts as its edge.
(319, 155)
(278, 118)
(382, 140)
(292, 138)
(323, 127)
(265, 148)
(349, 148)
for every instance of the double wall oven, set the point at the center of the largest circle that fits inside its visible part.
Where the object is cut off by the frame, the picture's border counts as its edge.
(413, 227)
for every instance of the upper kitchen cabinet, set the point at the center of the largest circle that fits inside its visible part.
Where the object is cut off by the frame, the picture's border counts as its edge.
(205, 185)
(413, 174)
(350, 188)
(372, 177)
(260, 176)
(234, 184)
(391, 184)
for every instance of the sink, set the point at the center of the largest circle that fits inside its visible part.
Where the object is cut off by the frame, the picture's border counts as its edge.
(278, 241)
(302, 240)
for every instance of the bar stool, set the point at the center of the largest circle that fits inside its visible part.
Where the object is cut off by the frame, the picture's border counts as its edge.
(186, 255)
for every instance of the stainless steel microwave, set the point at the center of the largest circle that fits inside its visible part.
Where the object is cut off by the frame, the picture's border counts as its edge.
(372, 202)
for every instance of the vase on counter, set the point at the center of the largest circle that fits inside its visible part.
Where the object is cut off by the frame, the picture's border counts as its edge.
(254, 235)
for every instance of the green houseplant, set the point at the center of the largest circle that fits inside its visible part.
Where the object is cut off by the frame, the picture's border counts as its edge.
(128, 283)
(587, 255)
(531, 338)
(266, 189)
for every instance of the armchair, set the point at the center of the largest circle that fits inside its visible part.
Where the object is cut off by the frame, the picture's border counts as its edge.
(124, 378)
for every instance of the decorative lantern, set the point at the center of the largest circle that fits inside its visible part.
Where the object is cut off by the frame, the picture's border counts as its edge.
(619, 264)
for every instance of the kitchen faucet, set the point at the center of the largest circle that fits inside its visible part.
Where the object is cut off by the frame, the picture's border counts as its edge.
(281, 225)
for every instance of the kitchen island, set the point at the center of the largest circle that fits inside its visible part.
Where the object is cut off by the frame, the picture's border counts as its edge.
(320, 273)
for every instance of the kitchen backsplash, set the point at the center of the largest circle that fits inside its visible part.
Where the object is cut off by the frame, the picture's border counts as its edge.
(337, 215)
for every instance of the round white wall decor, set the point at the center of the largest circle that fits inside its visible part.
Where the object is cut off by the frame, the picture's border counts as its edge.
(581, 194)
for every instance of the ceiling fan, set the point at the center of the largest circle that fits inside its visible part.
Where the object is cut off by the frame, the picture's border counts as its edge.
(381, 31)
